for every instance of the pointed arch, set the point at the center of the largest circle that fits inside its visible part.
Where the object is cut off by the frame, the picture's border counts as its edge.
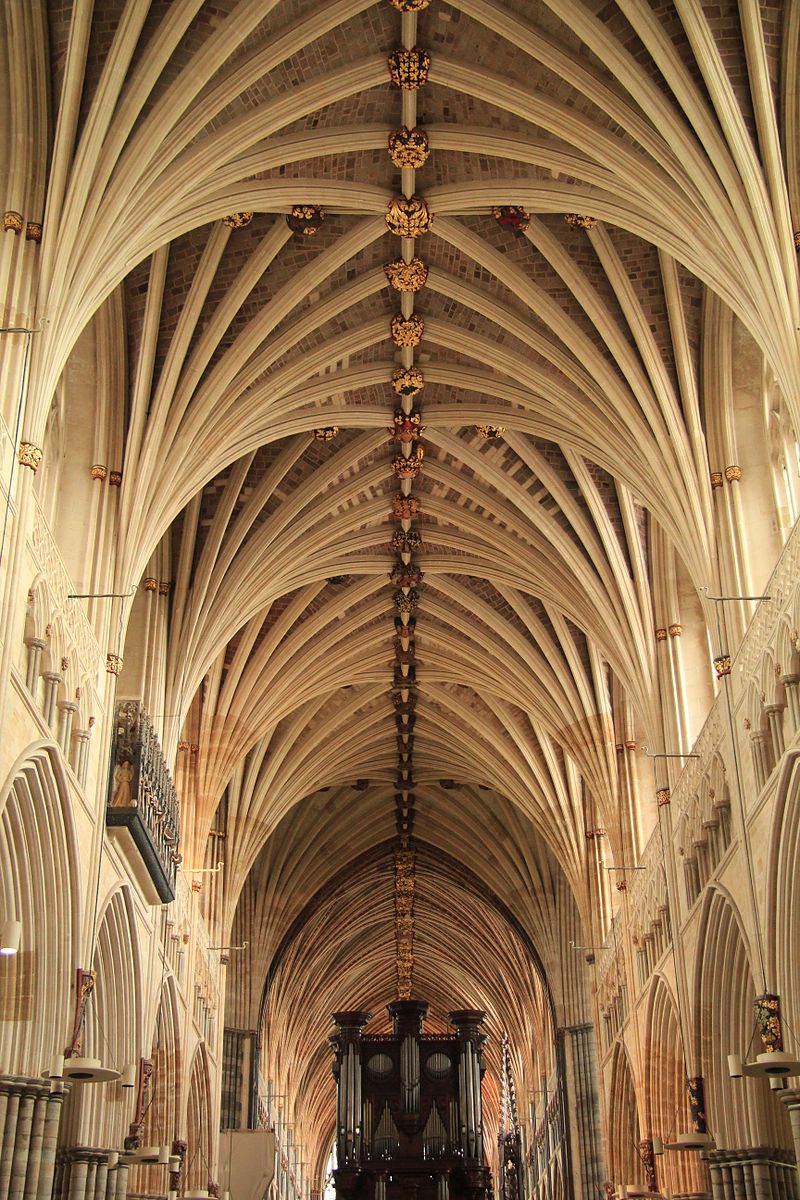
(40, 886)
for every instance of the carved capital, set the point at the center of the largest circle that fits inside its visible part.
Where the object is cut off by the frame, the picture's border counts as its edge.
(29, 455)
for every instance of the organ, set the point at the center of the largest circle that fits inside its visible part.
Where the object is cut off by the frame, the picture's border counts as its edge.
(409, 1122)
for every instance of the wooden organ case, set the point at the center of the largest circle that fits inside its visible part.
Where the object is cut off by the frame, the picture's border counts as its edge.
(409, 1124)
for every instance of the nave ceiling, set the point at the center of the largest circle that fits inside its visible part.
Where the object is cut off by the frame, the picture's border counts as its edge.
(551, 553)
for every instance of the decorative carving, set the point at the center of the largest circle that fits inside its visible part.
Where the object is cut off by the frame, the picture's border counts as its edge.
(406, 276)
(326, 433)
(408, 217)
(150, 584)
(716, 479)
(115, 479)
(407, 6)
(580, 221)
(85, 986)
(113, 664)
(406, 602)
(733, 473)
(406, 575)
(695, 1088)
(408, 468)
(409, 147)
(513, 216)
(768, 1017)
(405, 508)
(306, 219)
(29, 455)
(33, 232)
(662, 796)
(237, 220)
(407, 331)
(99, 472)
(675, 630)
(163, 587)
(408, 69)
(142, 796)
(722, 665)
(490, 433)
(647, 1156)
(407, 427)
(661, 634)
(12, 221)
(405, 543)
(407, 381)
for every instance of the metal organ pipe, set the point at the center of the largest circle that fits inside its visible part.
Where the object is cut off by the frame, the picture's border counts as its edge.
(357, 1105)
(350, 1099)
(476, 1093)
(470, 1100)
(462, 1099)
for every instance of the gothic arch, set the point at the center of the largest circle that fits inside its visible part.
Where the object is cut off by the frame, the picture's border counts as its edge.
(198, 1123)
(111, 1029)
(625, 1165)
(666, 1105)
(783, 889)
(740, 1112)
(40, 886)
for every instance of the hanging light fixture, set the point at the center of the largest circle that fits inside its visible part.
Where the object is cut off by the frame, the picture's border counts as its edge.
(75, 1066)
(10, 934)
(146, 1154)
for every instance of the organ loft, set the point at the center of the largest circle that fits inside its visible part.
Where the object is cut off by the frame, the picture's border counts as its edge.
(408, 1119)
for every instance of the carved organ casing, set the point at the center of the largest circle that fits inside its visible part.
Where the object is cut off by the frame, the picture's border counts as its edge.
(409, 1117)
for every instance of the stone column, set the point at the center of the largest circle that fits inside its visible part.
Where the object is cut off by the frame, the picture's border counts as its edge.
(82, 737)
(580, 1082)
(52, 679)
(791, 686)
(22, 1143)
(52, 1120)
(35, 1151)
(791, 1098)
(36, 647)
(78, 1171)
(101, 1178)
(122, 1182)
(67, 708)
(775, 717)
(9, 1136)
(759, 759)
(91, 1176)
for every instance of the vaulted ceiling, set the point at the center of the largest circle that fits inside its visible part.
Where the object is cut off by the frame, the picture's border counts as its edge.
(644, 143)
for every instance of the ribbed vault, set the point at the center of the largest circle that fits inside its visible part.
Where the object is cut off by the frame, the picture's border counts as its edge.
(550, 550)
